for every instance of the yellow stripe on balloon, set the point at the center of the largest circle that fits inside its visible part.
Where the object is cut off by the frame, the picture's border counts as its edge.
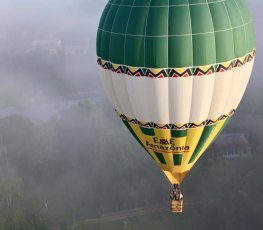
(143, 138)
(211, 138)
(193, 137)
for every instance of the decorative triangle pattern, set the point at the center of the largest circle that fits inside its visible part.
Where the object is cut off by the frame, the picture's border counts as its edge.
(177, 72)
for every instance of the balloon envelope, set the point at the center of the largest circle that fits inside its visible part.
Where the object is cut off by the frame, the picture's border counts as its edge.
(175, 71)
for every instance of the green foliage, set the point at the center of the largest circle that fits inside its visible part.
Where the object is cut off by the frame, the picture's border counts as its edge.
(10, 192)
(2, 223)
(20, 222)
(73, 227)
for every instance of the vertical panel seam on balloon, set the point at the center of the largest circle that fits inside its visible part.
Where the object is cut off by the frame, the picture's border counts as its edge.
(245, 32)
(112, 29)
(132, 109)
(231, 27)
(168, 85)
(111, 73)
(191, 27)
(232, 72)
(194, 153)
(125, 35)
(101, 44)
(243, 24)
(213, 93)
(145, 31)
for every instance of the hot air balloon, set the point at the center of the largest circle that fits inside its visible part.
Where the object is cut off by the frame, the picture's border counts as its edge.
(175, 72)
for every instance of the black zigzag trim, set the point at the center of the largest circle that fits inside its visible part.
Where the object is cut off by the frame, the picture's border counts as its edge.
(138, 73)
(186, 73)
(171, 72)
(222, 68)
(162, 74)
(153, 125)
(199, 71)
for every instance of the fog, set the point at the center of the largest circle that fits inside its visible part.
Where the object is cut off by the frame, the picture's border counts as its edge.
(66, 160)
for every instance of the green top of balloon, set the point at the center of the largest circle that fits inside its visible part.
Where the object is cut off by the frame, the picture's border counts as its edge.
(174, 33)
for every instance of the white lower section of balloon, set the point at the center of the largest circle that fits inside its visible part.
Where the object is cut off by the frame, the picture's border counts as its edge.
(239, 83)
(176, 100)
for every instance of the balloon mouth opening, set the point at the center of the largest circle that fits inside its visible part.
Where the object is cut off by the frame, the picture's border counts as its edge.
(175, 178)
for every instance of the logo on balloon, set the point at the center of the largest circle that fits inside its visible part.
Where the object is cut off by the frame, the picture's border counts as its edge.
(171, 145)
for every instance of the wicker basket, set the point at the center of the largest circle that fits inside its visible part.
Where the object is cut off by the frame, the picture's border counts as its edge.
(177, 206)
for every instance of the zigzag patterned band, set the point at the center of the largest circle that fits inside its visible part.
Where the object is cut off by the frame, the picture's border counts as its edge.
(175, 126)
(177, 72)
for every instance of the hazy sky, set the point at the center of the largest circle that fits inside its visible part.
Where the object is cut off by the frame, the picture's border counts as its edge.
(75, 23)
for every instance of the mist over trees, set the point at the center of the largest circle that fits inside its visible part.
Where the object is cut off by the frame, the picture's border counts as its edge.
(65, 157)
